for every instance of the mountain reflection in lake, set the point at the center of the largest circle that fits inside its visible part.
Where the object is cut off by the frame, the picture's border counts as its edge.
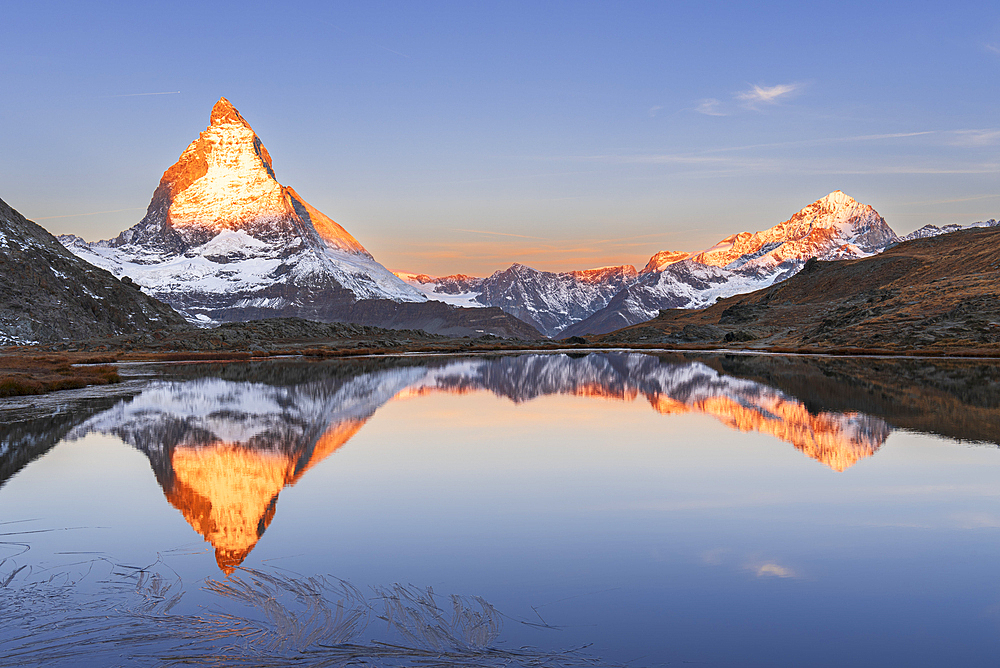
(619, 479)
(222, 450)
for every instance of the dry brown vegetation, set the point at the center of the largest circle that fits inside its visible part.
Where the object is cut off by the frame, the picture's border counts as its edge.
(38, 374)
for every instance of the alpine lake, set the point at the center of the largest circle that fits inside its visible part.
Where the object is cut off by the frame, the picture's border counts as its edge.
(610, 508)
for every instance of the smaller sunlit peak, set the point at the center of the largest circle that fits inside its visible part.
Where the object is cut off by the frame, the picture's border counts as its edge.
(838, 197)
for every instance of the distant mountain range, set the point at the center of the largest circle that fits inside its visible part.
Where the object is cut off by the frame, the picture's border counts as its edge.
(222, 241)
(598, 301)
(602, 300)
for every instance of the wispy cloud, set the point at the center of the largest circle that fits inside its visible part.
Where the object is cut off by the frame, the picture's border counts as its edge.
(169, 92)
(992, 48)
(500, 234)
(758, 95)
(988, 168)
(773, 570)
(709, 107)
(710, 156)
(975, 137)
(654, 110)
(953, 201)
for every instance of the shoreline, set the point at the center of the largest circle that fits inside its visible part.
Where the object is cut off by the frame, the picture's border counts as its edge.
(38, 370)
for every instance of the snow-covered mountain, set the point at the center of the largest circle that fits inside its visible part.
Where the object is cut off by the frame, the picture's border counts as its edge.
(550, 301)
(835, 227)
(222, 240)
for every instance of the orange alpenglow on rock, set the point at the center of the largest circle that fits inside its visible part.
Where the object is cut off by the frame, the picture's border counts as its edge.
(228, 492)
(830, 438)
(224, 181)
(832, 226)
(222, 240)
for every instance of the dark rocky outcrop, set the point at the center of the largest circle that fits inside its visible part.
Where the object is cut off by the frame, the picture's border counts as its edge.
(48, 294)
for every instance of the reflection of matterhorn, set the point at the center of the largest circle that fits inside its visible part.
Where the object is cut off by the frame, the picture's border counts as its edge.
(222, 450)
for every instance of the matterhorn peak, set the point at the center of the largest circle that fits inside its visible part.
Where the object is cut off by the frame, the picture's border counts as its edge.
(224, 181)
(222, 239)
(225, 112)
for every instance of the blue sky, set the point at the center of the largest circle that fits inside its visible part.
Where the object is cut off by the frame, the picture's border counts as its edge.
(460, 137)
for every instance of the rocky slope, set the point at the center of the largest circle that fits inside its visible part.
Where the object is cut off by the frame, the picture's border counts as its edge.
(48, 294)
(832, 228)
(223, 241)
(933, 293)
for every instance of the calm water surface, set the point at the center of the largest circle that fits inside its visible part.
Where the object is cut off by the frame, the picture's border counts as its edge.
(604, 509)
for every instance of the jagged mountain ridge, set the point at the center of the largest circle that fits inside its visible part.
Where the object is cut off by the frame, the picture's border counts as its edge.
(936, 293)
(933, 230)
(48, 294)
(551, 301)
(222, 241)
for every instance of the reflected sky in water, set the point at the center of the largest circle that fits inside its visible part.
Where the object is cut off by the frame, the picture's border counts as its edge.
(658, 507)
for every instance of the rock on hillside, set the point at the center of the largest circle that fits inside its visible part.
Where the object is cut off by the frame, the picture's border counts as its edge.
(48, 294)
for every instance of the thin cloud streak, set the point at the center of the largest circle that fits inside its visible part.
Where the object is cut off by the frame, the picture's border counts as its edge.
(92, 213)
(709, 107)
(500, 234)
(169, 92)
(825, 140)
(984, 169)
(976, 137)
(516, 177)
(952, 201)
(696, 156)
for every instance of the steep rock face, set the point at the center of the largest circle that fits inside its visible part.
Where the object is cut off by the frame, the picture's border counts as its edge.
(835, 227)
(550, 301)
(48, 294)
(222, 240)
